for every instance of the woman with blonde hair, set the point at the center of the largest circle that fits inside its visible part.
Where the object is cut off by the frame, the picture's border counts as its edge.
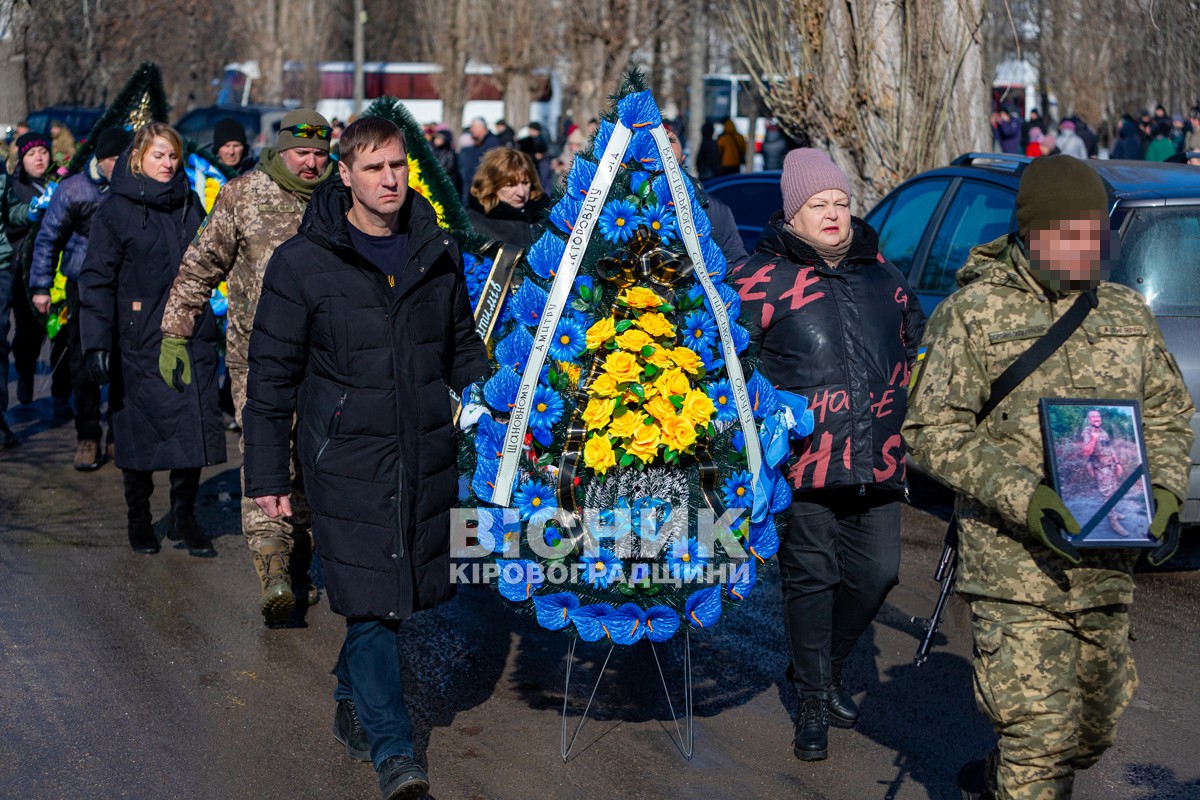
(138, 237)
(507, 200)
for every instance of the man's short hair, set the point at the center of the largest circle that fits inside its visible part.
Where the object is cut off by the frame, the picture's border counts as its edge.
(368, 133)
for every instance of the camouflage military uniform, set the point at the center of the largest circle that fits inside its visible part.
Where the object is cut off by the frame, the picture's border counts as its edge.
(252, 216)
(1052, 665)
(1105, 468)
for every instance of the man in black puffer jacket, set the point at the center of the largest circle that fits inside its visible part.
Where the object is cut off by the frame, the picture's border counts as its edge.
(362, 326)
(840, 326)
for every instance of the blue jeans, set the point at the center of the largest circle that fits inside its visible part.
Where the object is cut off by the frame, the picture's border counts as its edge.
(368, 672)
(6, 289)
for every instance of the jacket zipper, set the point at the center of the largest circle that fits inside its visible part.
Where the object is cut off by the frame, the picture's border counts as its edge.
(335, 422)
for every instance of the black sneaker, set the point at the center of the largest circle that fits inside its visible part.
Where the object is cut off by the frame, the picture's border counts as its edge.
(401, 778)
(349, 731)
(7, 437)
(972, 781)
(843, 711)
(812, 729)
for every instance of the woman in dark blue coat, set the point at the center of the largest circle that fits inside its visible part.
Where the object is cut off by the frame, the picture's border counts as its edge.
(138, 237)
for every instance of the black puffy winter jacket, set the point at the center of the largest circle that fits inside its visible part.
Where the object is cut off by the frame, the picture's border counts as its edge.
(845, 338)
(366, 367)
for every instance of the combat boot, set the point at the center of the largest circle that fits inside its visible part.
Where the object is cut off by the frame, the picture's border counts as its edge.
(812, 729)
(300, 564)
(139, 486)
(843, 711)
(277, 602)
(185, 485)
(972, 781)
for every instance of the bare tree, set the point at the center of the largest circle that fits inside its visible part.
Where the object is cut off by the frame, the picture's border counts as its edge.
(892, 87)
(447, 25)
(511, 43)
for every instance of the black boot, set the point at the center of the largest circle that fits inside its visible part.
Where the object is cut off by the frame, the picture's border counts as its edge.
(138, 488)
(812, 729)
(843, 711)
(185, 485)
(972, 781)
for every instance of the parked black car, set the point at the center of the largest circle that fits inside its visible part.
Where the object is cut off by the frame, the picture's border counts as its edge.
(753, 196)
(261, 123)
(78, 119)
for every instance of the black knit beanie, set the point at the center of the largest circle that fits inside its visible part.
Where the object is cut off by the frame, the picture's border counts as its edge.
(228, 130)
(1055, 188)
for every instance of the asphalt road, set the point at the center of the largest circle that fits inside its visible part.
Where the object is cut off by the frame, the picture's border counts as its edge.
(131, 676)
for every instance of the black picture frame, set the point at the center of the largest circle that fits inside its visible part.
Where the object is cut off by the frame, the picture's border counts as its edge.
(1100, 470)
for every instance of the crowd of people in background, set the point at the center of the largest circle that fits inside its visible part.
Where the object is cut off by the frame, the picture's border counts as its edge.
(1149, 136)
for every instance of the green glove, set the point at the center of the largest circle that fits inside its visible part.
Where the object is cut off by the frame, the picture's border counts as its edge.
(1048, 516)
(174, 365)
(1164, 528)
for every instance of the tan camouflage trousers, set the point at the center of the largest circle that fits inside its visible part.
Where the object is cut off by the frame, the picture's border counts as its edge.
(1108, 480)
(1054, 687)
(257, 526)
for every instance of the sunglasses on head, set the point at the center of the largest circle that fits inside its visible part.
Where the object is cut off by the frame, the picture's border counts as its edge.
(306, 130)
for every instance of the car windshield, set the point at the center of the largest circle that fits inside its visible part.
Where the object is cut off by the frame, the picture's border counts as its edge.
(1160, 258)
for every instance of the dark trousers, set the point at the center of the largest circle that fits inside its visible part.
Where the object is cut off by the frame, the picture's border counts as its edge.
(6, 287)
(139, 487)
(368, 672)
(87, 393)
(28, 335)
(838, 560)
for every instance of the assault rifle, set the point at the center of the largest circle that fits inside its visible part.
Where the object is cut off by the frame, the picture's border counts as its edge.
(946, 569)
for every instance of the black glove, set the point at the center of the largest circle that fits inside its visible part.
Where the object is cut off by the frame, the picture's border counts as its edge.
(1164, 528)
(96, 364)
(1048, 516)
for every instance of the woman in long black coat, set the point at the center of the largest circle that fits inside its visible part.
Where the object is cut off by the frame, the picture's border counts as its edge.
(138, 238)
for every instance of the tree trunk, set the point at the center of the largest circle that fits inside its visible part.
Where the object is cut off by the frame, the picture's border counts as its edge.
(698, 59)
(518, 94)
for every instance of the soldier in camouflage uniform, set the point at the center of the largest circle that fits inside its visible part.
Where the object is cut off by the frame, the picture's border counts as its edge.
(253, 214)
(1103, 466)
(1053, 667)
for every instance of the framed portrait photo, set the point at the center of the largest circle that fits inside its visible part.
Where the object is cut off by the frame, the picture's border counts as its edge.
(1096, 461)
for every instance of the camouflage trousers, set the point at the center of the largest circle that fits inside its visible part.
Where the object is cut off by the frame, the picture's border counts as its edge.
(1054, 686)
(257, 526)
(1108, 480)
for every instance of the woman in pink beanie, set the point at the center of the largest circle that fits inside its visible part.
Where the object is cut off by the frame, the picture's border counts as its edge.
(841, 326)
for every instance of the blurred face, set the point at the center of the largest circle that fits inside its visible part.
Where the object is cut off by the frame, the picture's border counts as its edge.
(379, 178)
(478, 130)
(160, 161)
(515, 194)
(105, 165)
(231, 153)
(676, 146)
(825, 217)
(36, 162)
(1070, 249)
(306, 163)
(1094, 419)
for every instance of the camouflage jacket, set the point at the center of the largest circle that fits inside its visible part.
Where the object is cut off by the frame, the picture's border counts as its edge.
(1118, 353)
(252, 216)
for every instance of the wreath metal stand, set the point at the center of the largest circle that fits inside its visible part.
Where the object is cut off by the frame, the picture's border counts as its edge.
(685, 738)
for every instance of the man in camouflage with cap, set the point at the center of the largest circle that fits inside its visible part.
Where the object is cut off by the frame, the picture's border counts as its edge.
(253, 214)
(1050, 623)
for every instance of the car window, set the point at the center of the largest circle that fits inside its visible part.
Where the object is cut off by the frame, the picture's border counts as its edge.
(1160, 258)
(902, 231)
(752, 202)
(978, 213)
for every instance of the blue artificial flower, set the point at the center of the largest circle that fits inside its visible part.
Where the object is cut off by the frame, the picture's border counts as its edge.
(565, 213)
(600, 140)
(781, 494)
(590, 621)
(545, 254)
(711, 359)
(483, 481)
(763, 398)
(742, 579)
(763, 539)
(662, 190)
(626, 624)
(721, 394)
(513, 350)
(536, 502)
(499, 529)
(687, 558)
(700, 220)
(699, 330)
(618, 221)
(729, 299)
(500, 392)
(643, 152)
(703, 607)
(714, 260)
(582, 281)
(661, 220)
(569, 341)
(646, 517)
(527, 304)
(518, 578)
(741, 338)
(638, 110)
(601, 568)
(579, 181)
(637, 179)
(739, 490)
(554, 610)
(475, 271)
(547, 410)
(738, 441)
(661, 623)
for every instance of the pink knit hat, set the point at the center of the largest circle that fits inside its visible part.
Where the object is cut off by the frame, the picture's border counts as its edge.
(807, 172)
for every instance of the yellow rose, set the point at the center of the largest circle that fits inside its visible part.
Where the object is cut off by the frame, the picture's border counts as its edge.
(634, 340)
(598, 454)
(678, 433)
(697, 407)
(570, 370)
(604, 386)
(660, 408)
(656, 325)
(672, 382)
(598, 413)
(600, 332)
(624, 425)
(687, 360)
(661, 358)
(641, 297)
(623, 366)
(643, 443)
